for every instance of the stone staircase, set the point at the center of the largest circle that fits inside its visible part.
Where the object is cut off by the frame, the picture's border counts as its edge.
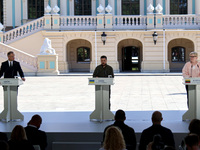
(26, 60)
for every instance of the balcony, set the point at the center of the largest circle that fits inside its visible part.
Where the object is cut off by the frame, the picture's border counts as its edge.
(102, 22)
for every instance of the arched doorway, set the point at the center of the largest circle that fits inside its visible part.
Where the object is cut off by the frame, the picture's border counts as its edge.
(178, 53)
(130, 55)
(79, 53)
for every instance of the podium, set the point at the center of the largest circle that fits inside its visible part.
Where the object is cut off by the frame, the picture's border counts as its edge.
(102, 87)
(10, 87)
(194, 98)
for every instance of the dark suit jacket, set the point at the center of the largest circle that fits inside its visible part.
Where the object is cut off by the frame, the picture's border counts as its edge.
(11, 72)
(128, 133)
(148, 134)
(36, 137)
(3, 137)
(20, 145)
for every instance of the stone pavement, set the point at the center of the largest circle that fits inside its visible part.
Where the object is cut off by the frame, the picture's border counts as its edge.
(72, 93)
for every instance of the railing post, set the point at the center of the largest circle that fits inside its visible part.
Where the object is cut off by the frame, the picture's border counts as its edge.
(47, 21)
(100, 21)
(55, 21)
(159, 20)
(1, 36)
(150, 21)
(108, 21)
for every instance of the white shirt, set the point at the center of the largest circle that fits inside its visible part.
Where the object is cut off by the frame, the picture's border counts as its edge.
(10, 63)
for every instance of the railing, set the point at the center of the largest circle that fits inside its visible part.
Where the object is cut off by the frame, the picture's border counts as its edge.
(25, 59)
(129, 22)
(181, 21)
(26, 29)
(78, 22)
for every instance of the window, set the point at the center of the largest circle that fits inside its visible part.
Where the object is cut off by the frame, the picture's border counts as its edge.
(82, 7)
(35, 9)
(178, 6)
(83, 54)
(130, 7)
(1, 11)
(178, 54)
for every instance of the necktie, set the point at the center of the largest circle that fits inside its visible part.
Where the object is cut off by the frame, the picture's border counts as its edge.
(11, 64)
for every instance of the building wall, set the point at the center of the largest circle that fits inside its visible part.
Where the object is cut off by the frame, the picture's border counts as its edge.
(154, 58)
(21, 11)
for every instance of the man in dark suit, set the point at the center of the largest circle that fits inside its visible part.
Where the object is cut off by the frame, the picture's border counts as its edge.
(128, 132)
(156, 129)
(3, 137)
(10, 68)
(34, 135)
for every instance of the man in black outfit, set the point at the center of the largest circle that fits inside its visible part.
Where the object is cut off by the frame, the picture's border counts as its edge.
(10, 68)
(156, 129)
(104, 71)
(3, 137)
(34, 135)
(128, 132)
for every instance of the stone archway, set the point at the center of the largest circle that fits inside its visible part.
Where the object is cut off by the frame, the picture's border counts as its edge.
(178, 53)
(79, 55)
(127, 62)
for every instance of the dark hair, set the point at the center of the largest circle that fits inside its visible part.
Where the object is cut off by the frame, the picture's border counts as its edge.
(194, 126)
(103, 57)
(191, 140)
(157, 143)
(120, 115)
(10, 52)
(4, 145)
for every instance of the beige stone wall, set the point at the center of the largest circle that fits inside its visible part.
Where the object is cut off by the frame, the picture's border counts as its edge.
(154, 58)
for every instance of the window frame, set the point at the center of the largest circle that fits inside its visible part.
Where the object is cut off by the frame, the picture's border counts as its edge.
(41, 9)
(178, 47)
(1, 12)
(130, 4)
(84, 47)
(83, 9)
(179, 10)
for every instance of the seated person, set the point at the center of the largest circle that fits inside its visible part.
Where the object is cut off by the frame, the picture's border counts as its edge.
(128, 132)
(113, 139)
(18, 140)
(4, 145)
(3, 137)
(148, 134)
(192, 142)
(34, 135)
(194, 128)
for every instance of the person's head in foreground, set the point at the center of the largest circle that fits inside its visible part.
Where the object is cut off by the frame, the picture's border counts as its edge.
(103, 60)
(11, 56)
(156, 118)
(192, 142)
(120, 115)
(114, 139)
(4, 145)
(193, 57)
(18, 133)
(194, 127)
(36, 121)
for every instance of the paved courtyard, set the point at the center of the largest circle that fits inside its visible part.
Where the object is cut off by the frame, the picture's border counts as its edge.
(72, 93)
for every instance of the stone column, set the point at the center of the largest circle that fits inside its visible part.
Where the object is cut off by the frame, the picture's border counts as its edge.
(53, 3)
(102, 2)
(197, 6)
(63, 7)
(112, 4)
(159, 2)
